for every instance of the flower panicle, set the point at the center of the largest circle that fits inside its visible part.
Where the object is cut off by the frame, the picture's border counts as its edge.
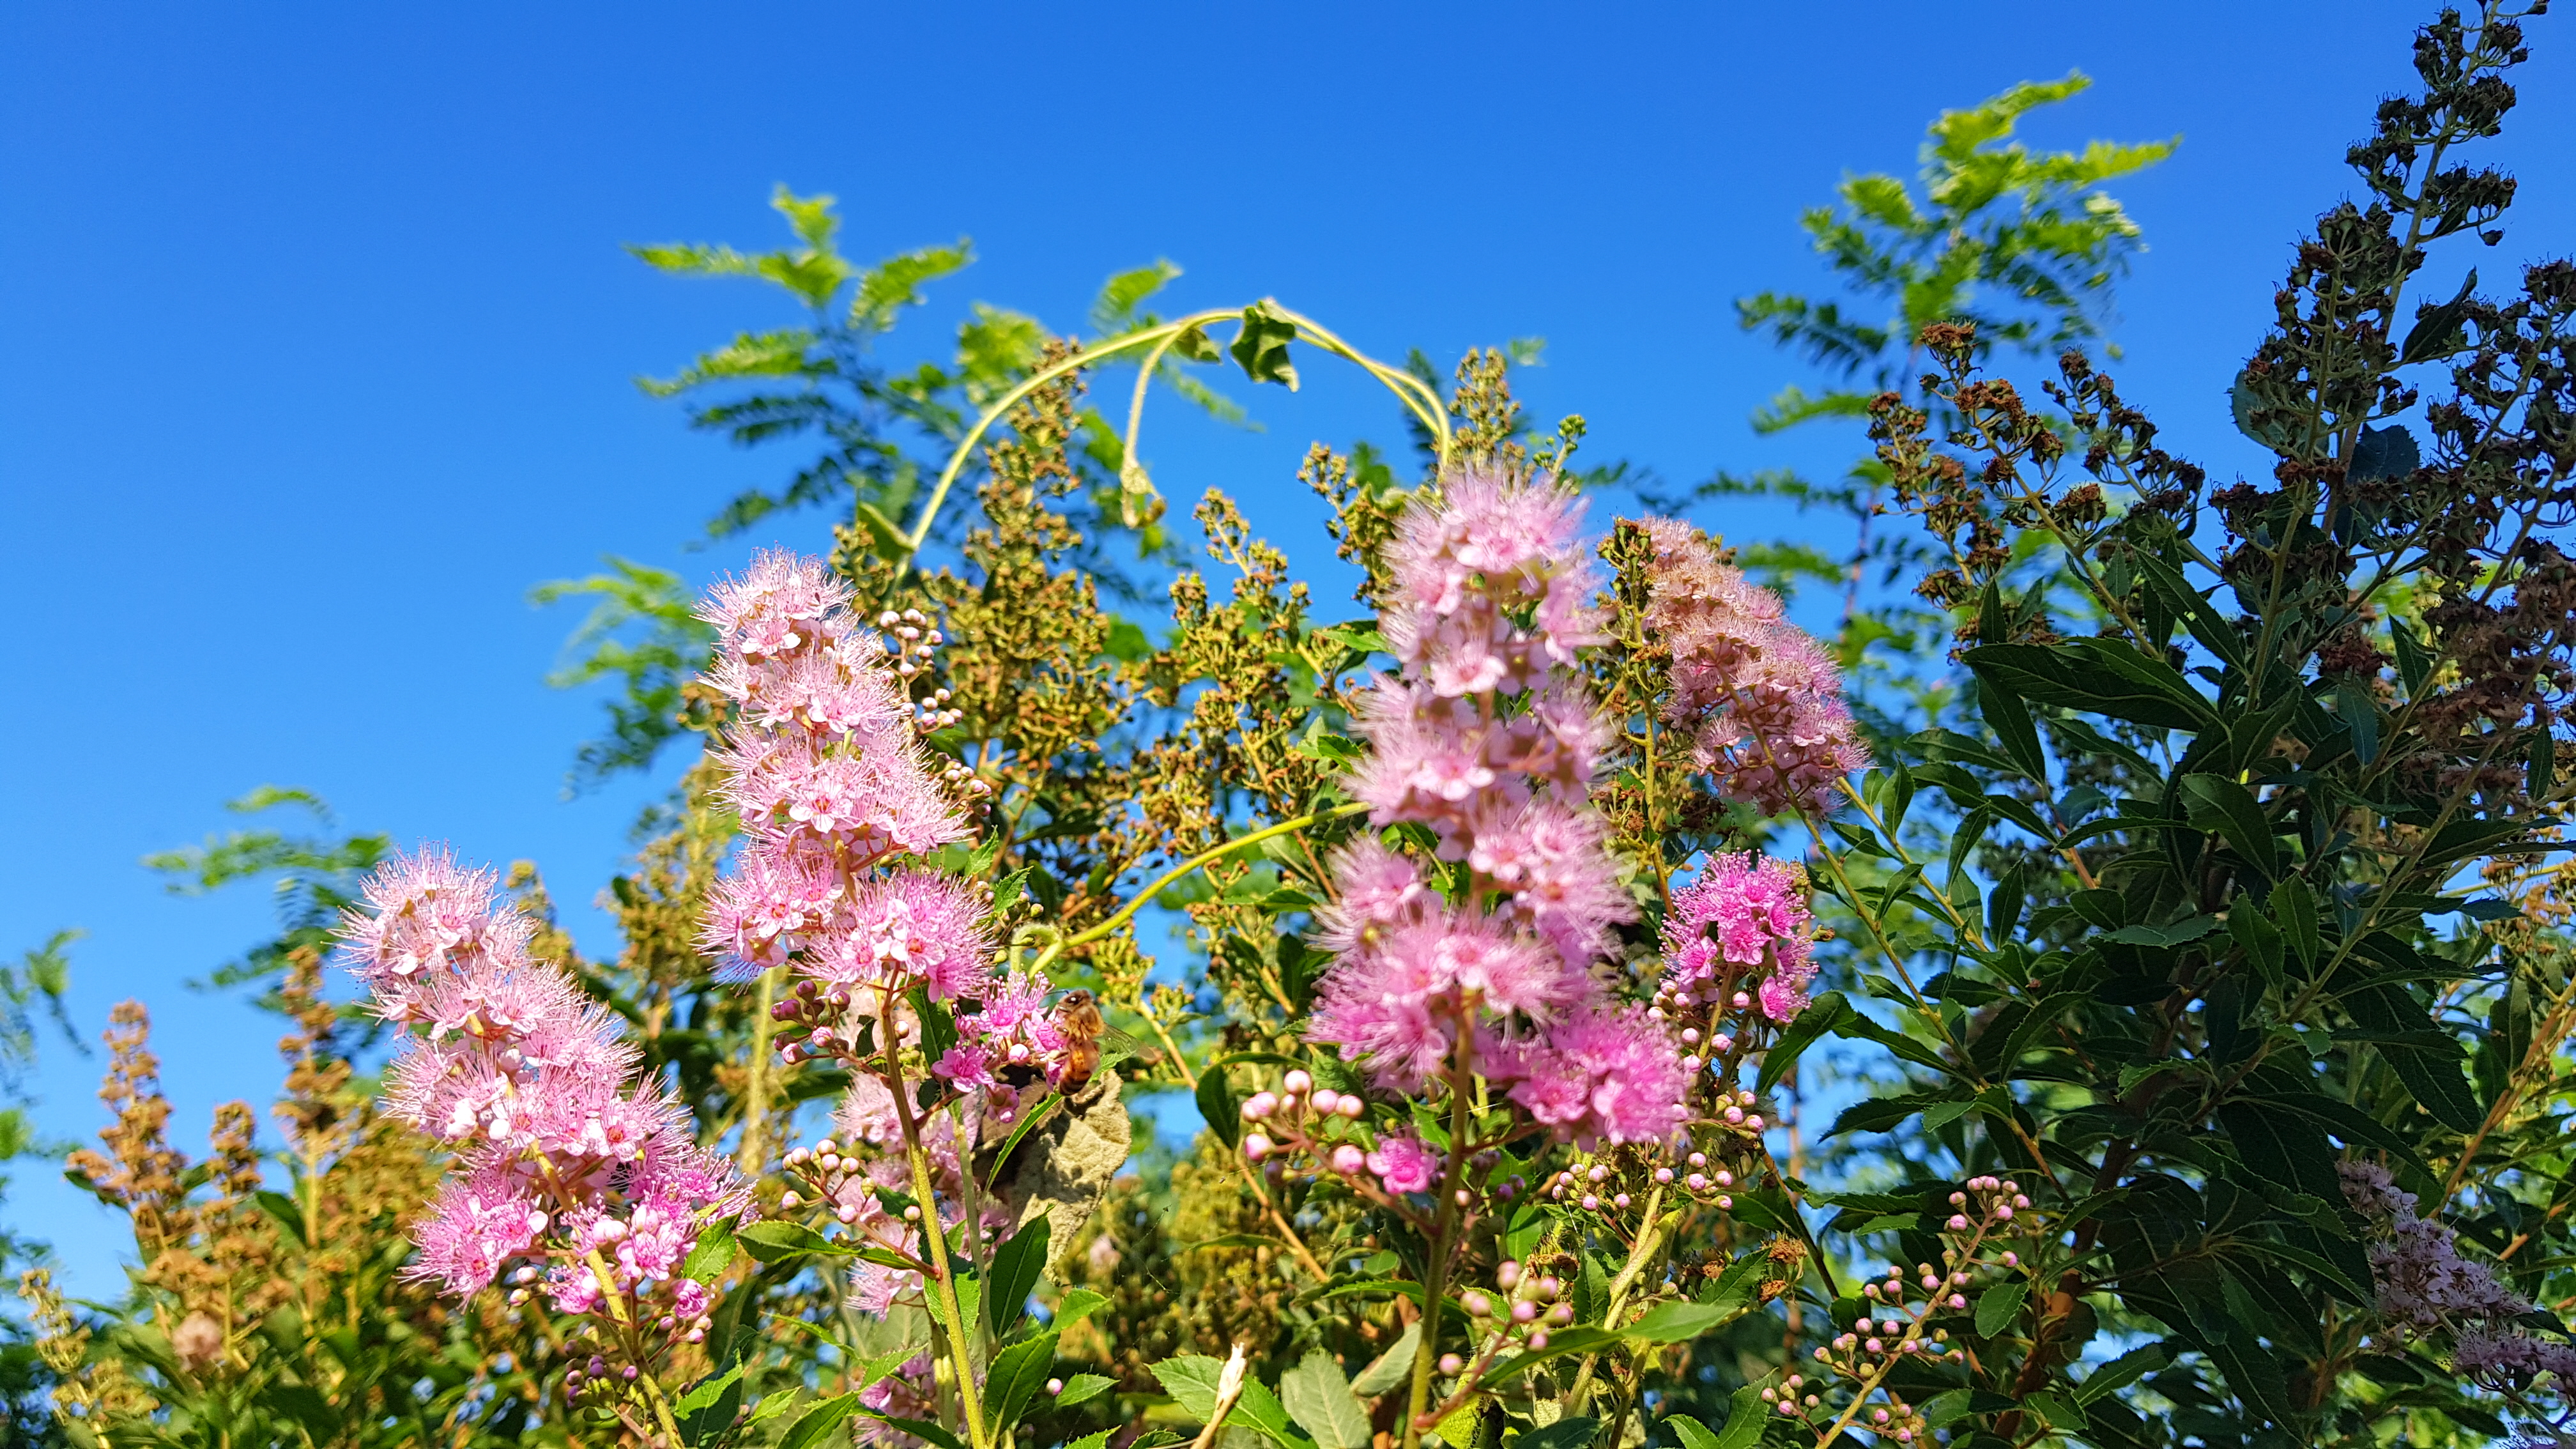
(1761, 700)
(566, 1160)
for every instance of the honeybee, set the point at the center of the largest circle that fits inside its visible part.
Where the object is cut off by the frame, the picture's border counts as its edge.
(1078, 1017)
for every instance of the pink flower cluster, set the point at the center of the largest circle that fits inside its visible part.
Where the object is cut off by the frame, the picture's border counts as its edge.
(1490, 738)
(1745, 920)
(563, 1155)
(1761, 699)
(2425, 1285)
(825, 766)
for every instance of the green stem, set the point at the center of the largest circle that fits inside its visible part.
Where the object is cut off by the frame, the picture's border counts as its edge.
(1426, 1355)
(1154, 887)
(1417, 397)
(944, 1298)
(1648, 1240)
(754, 1150)
(645, 1380)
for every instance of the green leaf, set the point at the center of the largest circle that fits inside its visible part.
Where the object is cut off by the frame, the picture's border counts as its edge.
(1822, 1015)
(1569, 1433)
(812, 1425)
(1084, 1387)
(2206, 624)
(1196, 345)
(1998, 1306)
(1262, 346)
(2003, 905)
(1392, 1368)
(2261, 940)
(1217, 1105)
(2178, 933)
(2226, 808)
(706, 1411)
(1317, 1396)
(280, 1208)
(712, 1253)
(2120, 1372)
(2436, 330)
(1692, 1433)
(1571, 1340)
(1680, 1322)
(886, 538)
(776, 1242)
(1016, 1375)
(1017, 1265)
(2010, 720)
(1076, 1305)
(2099, 675)
(2296, 906)
(921, 1429)
(1591, 1291)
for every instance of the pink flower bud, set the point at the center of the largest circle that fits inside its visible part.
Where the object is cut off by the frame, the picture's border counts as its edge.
(1256, 1147)
(1299, 1082)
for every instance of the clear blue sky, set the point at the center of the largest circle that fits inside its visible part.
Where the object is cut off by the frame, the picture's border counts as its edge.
(319, 339)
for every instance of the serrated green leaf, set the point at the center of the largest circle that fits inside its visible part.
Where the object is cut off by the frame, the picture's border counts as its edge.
(1315, 1395)
(1999, 1305)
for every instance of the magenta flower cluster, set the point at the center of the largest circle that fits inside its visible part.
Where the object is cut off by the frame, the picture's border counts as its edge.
(1762, 701)
(1738, 935)
(564, 1158)
(1489, 738)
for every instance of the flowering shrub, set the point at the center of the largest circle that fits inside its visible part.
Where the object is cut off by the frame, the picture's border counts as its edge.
(1615, 1015)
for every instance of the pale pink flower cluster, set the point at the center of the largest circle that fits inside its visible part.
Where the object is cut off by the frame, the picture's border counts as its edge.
(561, 1152)
(1744, 921)
(1761, 699)
(2425, 1286)
(825, 766)
(1490, 738)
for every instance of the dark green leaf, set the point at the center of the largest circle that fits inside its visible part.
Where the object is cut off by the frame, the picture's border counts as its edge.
(2436, 329)
(2223, 807)
(1262, 346)
(1571, 1433)
(1217, 1105)
(2384, 454)
(2206, 624)
(1999, 1305)
(1017, 1265)
(1016, 1375)
(2010, 720)
(1821, 1016)
(2099, 675)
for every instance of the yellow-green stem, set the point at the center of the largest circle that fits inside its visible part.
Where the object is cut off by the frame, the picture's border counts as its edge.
(645, 1379)
(1648, 1239)
(1154, 887)
(754, 1152)
(1427, 1354)
(944, 1284)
